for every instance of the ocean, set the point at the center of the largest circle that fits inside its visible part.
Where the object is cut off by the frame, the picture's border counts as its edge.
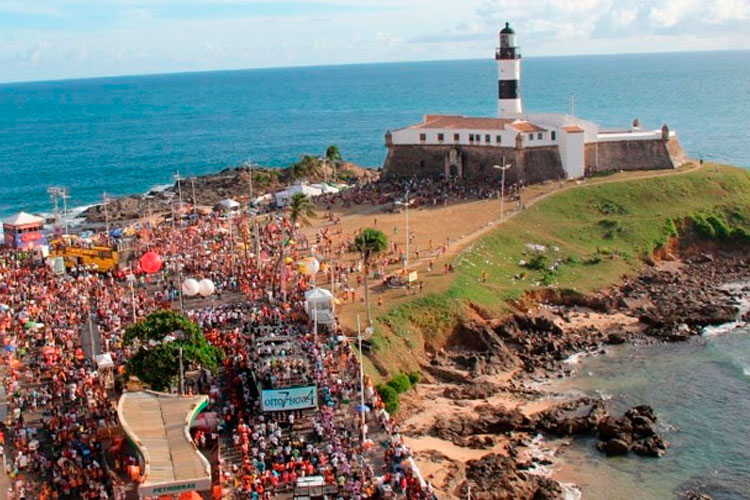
(699, 390)
(127, 134)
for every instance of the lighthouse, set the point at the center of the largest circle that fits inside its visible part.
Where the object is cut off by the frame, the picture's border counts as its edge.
(508, 59)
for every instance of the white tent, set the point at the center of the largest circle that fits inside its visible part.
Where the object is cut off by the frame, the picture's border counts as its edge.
(326, 188)
(228, 206)
(282, 197)
(104, 360)
(319, 305)
(22, 219)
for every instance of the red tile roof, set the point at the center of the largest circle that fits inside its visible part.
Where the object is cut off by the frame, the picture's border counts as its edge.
(461, 122)
(573, 129)
(527, 127)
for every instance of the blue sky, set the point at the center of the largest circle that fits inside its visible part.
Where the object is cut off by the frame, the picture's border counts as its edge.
(51, 39)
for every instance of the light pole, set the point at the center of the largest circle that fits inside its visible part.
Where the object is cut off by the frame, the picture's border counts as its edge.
(195, 206)
(361, 383)
(178, 178)
(406, 260)
(503, 168)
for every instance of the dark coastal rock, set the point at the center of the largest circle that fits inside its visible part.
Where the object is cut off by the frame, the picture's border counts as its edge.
(487, 420)
(615, 447)
(501, 478)
(616, 338)
(654, 446)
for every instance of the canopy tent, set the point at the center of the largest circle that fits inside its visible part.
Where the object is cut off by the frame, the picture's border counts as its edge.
(325, 188)
(319, 304)
(24, 230)
(282, 197)
(104, 361)
(227, 205)
(158, 425)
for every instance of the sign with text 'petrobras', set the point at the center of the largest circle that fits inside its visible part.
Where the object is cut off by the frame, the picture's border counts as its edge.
(291, 398)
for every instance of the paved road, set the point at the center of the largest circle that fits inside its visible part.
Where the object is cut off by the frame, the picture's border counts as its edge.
(90, 339)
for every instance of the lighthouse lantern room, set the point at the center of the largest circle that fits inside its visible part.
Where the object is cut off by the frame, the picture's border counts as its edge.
(509, 75)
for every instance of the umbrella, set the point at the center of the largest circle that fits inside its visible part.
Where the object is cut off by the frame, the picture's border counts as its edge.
(363, 409)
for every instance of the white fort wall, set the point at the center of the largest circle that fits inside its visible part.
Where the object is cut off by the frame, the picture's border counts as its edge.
(431, 136)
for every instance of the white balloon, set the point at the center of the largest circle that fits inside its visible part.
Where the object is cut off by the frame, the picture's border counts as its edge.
(206, 287)
(309, 266)
(190, 287)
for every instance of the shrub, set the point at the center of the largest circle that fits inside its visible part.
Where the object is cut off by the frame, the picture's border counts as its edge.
(538, 262)
(608, 207)
(400, 383)
(722, 229)
(414, 378)
(389, 396)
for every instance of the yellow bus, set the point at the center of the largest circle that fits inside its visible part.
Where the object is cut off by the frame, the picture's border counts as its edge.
(104, 259)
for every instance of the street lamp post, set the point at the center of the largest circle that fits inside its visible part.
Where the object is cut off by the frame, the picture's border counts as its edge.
(503, 168)
(361, 383)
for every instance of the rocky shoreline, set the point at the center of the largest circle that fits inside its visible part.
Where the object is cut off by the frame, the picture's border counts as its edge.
(671, 301)
(233, 182)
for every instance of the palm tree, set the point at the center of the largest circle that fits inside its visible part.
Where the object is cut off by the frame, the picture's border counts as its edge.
(300, 209)
(333, 156)
(369, 243)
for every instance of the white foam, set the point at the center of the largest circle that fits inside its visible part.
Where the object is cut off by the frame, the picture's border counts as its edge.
(575, 359)
(746, 372)
(744, 306)
(571, 492)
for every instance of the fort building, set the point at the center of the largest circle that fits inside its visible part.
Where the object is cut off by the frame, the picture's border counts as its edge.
(538, 146)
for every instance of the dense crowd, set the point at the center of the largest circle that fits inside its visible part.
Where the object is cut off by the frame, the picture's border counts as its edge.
(61, 412)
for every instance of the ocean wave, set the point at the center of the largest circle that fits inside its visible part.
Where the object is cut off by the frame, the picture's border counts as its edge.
(571, 492)
(744, 307)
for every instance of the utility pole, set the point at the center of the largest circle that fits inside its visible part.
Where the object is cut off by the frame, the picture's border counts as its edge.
(182, 374)
(504, 167)
(195, 205)
(406, 260)
(105, 200)
(57, 192)
(361, 383)
(179, 191)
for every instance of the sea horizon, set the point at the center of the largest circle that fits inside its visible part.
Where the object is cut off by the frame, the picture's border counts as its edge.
(351, 64)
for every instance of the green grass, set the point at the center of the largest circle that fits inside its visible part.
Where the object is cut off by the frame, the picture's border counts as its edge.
(593, 235)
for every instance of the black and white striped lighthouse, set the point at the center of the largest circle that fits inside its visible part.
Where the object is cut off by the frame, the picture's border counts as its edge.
(508, 59)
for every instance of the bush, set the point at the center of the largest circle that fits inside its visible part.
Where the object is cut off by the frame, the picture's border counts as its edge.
(608, 207)
(538, 262)
(389, 396)
(722, 229)
(400, 383)
(414, 378)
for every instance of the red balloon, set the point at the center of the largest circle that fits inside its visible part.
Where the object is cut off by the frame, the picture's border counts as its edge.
(151, 262)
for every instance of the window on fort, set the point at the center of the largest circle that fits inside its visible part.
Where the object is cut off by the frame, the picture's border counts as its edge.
(456, 137)
(421, 164)
(531, 137)
(422, 137)
(540, 136)
(487, 138)
(499, 139)
(441, 137)
(471, 137)
(553, 135)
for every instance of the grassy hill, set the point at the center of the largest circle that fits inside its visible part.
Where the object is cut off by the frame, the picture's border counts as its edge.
(582, 239)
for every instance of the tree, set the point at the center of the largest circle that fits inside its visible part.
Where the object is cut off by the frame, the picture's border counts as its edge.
(333, 156)
(369, 243)
(300, 209)
(156, 361)
(306, 166)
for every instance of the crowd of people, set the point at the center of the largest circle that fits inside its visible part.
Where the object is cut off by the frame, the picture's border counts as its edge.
(61, 402)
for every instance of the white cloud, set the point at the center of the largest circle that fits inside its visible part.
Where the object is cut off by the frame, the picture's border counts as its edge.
(146, 36)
